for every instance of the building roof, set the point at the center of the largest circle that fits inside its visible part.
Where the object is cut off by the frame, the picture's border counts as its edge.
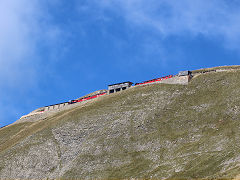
(56, 104)
(184, 72)
(121, 83)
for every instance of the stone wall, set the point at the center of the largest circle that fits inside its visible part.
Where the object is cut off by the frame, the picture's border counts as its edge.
(55, 106)
(31, 117)
(184, 80)
(44, 112)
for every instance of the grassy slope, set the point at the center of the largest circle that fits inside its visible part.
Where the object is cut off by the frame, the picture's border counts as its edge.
(164, 131)
(236, 67)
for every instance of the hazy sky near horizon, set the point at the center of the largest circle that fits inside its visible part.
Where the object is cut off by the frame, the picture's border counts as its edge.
(54, 51)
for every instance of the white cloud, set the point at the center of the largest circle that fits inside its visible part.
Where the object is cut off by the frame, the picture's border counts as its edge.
(212, 19)
(22, 25)
(25, 27)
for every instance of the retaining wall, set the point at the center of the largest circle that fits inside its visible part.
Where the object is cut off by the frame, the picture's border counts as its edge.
(44, 112)
(41, 112)
(184, 80)
(55, 106)
(31, 117)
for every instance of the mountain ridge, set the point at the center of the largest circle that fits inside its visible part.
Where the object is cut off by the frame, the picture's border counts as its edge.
(154, 131)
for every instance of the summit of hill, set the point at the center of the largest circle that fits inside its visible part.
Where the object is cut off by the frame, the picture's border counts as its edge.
(160, 131)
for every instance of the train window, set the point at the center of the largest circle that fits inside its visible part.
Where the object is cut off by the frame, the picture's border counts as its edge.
(124, 88)
(111, 91)
(118, 89)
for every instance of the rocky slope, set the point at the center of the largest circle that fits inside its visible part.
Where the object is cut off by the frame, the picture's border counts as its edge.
(155, 131)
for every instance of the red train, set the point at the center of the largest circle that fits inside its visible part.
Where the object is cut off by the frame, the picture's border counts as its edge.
(86, 98)
(103, 93)
(154, 80)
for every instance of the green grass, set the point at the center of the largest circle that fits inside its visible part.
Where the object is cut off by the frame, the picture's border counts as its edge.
(236, 67)
(8, 132)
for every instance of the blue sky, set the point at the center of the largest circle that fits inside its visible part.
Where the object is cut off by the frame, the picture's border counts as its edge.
(54, 51)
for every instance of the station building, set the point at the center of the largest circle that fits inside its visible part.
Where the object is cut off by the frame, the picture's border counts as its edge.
(112, 88)
(184, 73)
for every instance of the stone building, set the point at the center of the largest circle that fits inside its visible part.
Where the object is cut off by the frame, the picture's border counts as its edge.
(119, 87)
(184, 73)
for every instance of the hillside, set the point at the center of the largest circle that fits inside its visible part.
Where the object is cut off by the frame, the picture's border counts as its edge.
(154, 131)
